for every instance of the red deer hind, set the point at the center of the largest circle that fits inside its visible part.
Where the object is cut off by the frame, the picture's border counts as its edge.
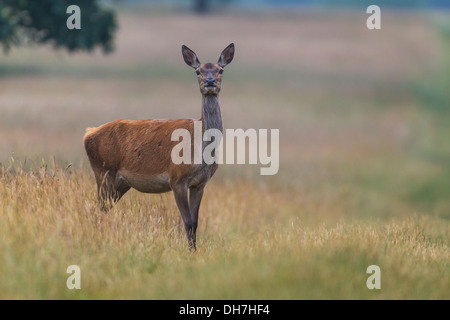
(128, 154)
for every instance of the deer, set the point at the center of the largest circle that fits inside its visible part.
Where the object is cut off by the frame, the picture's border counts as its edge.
(127, 154)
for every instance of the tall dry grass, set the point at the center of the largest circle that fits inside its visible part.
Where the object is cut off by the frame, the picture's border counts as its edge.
(254, 242)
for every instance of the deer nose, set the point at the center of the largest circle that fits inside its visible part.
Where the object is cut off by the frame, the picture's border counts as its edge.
(210, 82)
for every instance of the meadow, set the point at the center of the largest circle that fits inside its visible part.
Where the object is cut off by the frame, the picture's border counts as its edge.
(364, 119)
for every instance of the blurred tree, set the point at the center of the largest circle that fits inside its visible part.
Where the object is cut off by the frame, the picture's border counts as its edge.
(206, 6)
(201, 6)
(45, 22)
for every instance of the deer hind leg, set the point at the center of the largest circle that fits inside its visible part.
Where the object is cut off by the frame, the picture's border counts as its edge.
(111, 187)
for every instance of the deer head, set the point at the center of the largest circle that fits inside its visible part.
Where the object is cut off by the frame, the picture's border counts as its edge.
(209, 74)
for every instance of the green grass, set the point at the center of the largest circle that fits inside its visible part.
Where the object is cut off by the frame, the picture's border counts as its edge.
(433, 189)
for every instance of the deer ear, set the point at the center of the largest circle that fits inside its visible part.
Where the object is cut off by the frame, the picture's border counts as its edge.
(226, 56)
(190, 57)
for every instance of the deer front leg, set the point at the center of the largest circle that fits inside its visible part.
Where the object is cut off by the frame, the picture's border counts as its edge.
(181, 197)
(195, 197)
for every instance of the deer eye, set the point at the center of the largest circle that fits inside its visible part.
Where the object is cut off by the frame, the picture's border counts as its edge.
(197, 72)
(221, 71)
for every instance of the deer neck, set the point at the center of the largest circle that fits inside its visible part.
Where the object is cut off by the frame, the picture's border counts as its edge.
(211, 116)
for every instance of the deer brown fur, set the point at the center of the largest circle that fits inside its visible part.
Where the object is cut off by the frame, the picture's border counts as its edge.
(136, 154)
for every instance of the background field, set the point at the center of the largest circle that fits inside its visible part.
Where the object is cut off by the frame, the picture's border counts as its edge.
(364, 160)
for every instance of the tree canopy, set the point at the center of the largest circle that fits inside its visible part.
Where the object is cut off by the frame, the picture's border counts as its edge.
(44, 22)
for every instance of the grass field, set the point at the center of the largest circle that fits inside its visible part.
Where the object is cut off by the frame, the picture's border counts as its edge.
(364, 173)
